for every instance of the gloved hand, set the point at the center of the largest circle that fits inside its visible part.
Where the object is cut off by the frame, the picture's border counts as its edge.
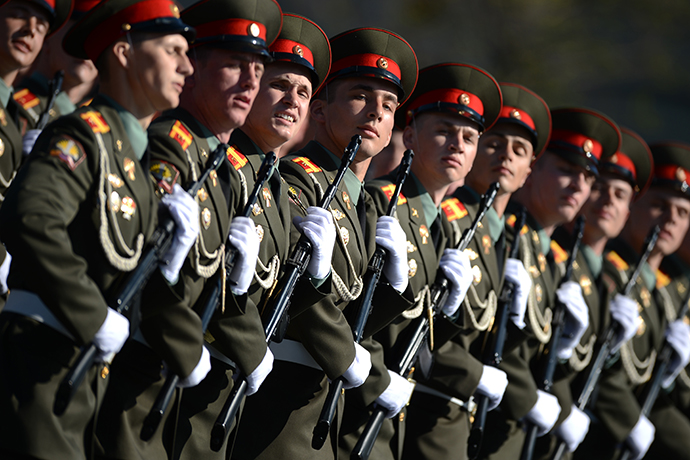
(318, 226)
(573, 429)
(396, 395)
(29, 140)
(576, 318)
(390, 236)
(492, 383)
(545, 412)
(357, 373)
(678, 337)
(111, 336)
(4, 273)
(199, 373)
(624, 312)
(457, 268)
(258, 375)
(515, 273)
(185, 212)
(640, 438)
(243, 237)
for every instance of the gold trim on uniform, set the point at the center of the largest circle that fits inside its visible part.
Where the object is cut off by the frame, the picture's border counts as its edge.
(486, 242)
(538, 292)
(645, 296)
(118, 143)
(424, 233)
(535, 237)
(541, 258)
(476, 274)
(345, 234)
(260, 232)
(411, 268)
(130, 168)
(586, 284)
(204, 153)
(415, 213)
(214, 177)
(346, 199)
(203, 196)
(206, 218)
(128, 207)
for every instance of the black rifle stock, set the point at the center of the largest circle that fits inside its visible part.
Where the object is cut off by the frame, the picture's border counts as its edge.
(439, 294)
(55, 88)
(293, 269)
(371, 280)
(605, 348)
(545, 381)
(493, 355)
(148, 263)
(208, 303)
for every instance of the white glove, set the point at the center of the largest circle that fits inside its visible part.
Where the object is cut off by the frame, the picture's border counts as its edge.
(457, 268)
(516, 273)
(640, 438)
(396, 395)
(545, 412)
(678, 337)
(199, 373)
(111, 336)
(243, 237)
(257, 377)
(185, 212)
(357, 373)
(391, 237)
(624, 312)
(573, 429)
(4, 272)
(29, 140)
(318, 226)
(493, 383)
(576, 318)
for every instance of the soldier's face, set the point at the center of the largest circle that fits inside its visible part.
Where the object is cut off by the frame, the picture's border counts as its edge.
(505, 155)
(225, 84)
(608, 207)
(445, 145)
(666, 208)
(281, 105)
(23, 27)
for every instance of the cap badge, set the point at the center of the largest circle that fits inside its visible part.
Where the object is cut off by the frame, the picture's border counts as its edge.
(253, 30)
(298, 50)
(464, 99)
(614, 158)
(126, 27)
(588, 146)
(680, 174)
(175, 10)
(516, 114)
(382, 63)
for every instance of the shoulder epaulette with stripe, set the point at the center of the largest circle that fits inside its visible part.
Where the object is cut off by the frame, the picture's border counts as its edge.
(181, 135)
(454, 209)
(26, 99)
(617, 261)
(559, 254)
(389, 190)
(662, 279)
(307, 164)
(511, 221)
(236, 158)
(96, 121)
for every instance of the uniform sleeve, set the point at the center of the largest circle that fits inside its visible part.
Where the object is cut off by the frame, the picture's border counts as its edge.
(455, 371)
(378, 380)
(616, 405)
(521, 393)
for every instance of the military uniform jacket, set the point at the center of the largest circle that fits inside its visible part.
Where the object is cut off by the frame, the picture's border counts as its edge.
(71, 240)
(11, 157)
(180, 152)
(617, 405)
(32, 97)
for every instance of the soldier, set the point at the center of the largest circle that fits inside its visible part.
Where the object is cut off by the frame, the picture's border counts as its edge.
(618, 404)
(372, 71)
(77, 220)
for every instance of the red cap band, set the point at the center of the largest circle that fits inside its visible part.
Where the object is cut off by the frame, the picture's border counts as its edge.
(671, 172)
(82, 6)
(367, 60)
(578, 141)
(283, 45)
(514, 113)
(234, 26)
(622, 160)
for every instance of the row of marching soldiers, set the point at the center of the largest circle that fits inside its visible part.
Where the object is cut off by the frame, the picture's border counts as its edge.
(487, 337)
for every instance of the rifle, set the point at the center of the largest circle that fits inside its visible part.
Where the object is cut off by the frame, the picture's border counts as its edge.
(293, 270)
(55, 88)
(557, 325)
(124, 302)
(439, 294)
(605, 348)
(371, 280)
(208, 303)
(494, 354)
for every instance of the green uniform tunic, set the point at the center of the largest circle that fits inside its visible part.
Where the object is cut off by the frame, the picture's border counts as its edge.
(32, 96)
(73, 243)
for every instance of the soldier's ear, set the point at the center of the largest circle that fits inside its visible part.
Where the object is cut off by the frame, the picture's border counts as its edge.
(122, 52)
(410, 137)
(317, 109)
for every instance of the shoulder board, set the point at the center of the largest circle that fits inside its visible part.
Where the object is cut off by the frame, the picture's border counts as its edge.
(181, 135)
(617, 261)
(662, 279)
(95, 121)
(389, 190)
(86, 103)
(307, 164)
(26, 99)
(511, 221)
(559, 254)
(454, 209)
(236, 158)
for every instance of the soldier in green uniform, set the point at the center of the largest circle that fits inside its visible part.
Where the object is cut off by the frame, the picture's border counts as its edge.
(32, 94)
(77, 220)
(579, 139)
(372, 71)
(618, 405)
